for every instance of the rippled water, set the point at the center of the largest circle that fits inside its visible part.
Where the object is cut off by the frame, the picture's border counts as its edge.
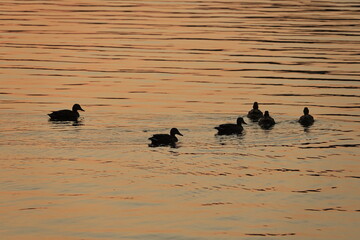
(142, 67)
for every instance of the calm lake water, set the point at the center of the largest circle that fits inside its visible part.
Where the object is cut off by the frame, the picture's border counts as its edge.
(143, 67)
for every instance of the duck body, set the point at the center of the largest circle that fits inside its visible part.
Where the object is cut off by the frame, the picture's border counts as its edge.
(66, 115)
(165, 139)
(255, 114)
(266, 121)
(306, 119)
(230, 128)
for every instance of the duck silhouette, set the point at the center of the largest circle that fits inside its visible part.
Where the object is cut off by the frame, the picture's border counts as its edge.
(231, 128)
(165, 139)
(306, 119)
(255, 114)
(66, 115)
(266, 121)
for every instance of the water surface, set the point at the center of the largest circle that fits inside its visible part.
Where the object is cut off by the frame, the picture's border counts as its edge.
(142, 67)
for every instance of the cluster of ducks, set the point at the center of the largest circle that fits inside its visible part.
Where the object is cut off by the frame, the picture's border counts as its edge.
(265, 121)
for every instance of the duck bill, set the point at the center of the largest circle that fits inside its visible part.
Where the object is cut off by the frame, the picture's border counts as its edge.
(82, 109)
(180, 134)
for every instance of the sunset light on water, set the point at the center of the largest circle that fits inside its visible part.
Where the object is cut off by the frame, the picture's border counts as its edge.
(140, 68)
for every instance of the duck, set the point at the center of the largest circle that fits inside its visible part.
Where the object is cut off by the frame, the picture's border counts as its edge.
(255, 114)
(231, 128)
(266, 121)
(165, 139)
(306, 119)
(66, 115)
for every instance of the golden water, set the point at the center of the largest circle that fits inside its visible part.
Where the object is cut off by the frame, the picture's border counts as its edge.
(142, 67)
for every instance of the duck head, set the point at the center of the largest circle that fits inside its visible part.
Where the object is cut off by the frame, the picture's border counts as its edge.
(266, 114)
(256, 105)
(77, 107)
(175, 131)
(240, 121)
(306, 111)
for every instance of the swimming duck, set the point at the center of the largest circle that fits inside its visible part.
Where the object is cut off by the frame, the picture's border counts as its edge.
(255, 114)
(230, 128)
(266, 121)
(306, 119)
(66, 115)
(165, 139)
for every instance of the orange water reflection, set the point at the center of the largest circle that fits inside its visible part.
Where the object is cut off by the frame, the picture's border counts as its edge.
(142, 67)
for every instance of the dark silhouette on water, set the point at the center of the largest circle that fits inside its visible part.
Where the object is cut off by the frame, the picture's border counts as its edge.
(66, 115)
(255, 114)
(230, 128)
(266, 122)
(306, 119)
(165, 139)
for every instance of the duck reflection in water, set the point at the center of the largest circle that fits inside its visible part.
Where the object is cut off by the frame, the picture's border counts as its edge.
(66, 123)
(66, 115)
(231, 128)
(158, 140)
